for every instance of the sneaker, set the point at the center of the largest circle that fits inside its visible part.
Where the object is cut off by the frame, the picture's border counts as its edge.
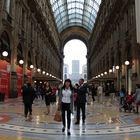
(63, 129)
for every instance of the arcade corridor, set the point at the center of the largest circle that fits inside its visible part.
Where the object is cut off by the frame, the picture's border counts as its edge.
(33, 34)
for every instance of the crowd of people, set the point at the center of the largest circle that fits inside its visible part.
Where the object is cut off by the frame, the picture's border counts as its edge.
(74, 98)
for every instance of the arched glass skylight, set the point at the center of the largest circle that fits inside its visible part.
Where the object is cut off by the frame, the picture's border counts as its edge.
(81, 13)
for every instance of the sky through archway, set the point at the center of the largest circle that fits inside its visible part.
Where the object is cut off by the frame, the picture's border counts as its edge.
(75, 50)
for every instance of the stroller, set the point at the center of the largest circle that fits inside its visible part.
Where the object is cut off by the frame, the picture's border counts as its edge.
(128, 104)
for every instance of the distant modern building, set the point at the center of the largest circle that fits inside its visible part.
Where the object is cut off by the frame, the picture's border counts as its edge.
(75, 70)
(66, 72)
(84, 72)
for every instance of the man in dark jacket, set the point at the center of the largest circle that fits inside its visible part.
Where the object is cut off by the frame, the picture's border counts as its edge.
(81, 101)
(28, 94)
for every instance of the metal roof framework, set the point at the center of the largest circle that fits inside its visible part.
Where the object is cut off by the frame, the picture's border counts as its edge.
(70, 13)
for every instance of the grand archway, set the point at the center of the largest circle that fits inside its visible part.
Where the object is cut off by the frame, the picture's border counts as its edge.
(75, 61)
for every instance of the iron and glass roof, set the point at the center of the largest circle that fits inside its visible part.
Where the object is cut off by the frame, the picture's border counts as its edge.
(81, 13)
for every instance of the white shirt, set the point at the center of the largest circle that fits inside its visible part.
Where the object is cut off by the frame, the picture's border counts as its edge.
(100, 89)
(66, 96)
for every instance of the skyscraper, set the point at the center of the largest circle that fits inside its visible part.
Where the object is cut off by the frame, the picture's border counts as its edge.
(75, 70)
(75, 66)
(65, 72)
(84, 71)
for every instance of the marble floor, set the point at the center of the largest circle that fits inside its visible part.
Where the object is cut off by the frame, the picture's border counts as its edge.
(103, 122)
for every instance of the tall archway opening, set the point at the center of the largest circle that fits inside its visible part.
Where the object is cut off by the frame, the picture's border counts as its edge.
(75, 61)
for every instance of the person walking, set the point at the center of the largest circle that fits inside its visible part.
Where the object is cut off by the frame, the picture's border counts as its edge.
(47, 91)
(122, 95)
(100, 94)
(81, 101)
(43, 91)
(28, 95)
(93, 92)
(137, 98)
(66, 103)
(75, 96)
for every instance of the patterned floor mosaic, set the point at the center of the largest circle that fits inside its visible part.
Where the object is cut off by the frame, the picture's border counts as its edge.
(104, 122)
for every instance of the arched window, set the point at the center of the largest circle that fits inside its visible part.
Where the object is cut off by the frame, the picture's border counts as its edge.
(19, 53)
(5, 46)
(29, 60)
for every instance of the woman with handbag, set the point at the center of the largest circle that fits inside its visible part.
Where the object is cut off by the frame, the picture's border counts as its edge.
(66, 103)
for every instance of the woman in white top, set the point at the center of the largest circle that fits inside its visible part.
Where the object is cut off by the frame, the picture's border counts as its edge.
(66, 103)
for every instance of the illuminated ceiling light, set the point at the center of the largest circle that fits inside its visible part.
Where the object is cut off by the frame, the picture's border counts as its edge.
(117, 67)
(110, 70)
(35, 81)
(43, 72)
(50, 75)
(105, 73)
(127, 62)
(47, 73)
(21, 62)
(102, 74)
(31, 66)
(99, 75)
(38, 70)
(5, 54)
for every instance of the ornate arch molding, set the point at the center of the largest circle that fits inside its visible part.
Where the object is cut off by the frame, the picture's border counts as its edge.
(74, 33)
(9, 36)
(5, 45)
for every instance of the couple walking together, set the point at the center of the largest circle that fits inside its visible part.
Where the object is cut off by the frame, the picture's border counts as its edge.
(66, 103)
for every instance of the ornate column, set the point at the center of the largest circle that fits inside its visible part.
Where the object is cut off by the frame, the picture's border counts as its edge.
(128, 57)
(13, 93)
(119, 66)
(25, 65)
(13, 74)
(34, 65)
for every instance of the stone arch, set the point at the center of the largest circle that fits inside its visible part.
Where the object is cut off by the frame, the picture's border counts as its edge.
(30, 58)
(8, 41)
(20, 54)
(37, 59)
(12, 44)
(22, 46)
(5, 45)
(74, 33)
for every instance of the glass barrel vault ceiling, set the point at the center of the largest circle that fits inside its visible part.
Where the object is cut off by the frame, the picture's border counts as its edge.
(81, 13)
